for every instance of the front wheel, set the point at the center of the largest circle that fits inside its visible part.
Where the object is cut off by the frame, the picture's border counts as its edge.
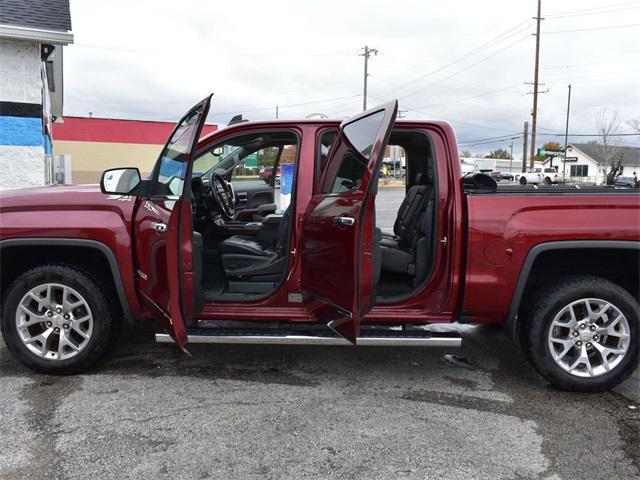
(547, 181)
(56, 319)
(582, 333)
(523, 181)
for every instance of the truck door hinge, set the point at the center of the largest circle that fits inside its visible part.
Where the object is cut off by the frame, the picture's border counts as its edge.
(444, 241)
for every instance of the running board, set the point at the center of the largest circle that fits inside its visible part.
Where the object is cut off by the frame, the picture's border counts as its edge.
(368, 339)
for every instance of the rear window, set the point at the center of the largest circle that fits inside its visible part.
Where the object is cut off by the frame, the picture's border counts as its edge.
(550, 170)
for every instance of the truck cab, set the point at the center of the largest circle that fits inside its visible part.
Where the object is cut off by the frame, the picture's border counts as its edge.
(322, 259)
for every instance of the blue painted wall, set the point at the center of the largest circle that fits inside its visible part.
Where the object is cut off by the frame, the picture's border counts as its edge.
(21, 131)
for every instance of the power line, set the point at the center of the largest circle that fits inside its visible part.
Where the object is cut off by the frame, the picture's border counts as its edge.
(592, 134)
(484, 94)
(470, 53)
(592, 13)
(610, 27)
(592, 9)
(465, 68)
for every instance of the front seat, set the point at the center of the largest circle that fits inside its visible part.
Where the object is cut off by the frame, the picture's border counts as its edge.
(248, 256)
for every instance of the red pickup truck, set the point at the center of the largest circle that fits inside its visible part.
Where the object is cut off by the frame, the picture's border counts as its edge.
(212, 261)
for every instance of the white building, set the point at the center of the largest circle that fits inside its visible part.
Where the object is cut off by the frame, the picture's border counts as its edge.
(32, 35)
(494, 164)
(585, 163)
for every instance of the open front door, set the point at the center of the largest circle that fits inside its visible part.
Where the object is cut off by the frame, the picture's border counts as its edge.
(163, 232)
(339, 250)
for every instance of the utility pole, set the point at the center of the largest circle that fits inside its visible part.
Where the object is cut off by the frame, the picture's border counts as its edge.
(524, 149)
(511, 156)
(276, 111)
(367, 53)
(534, 112)
(566, 136)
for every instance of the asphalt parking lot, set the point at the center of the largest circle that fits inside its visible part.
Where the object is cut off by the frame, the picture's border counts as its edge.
(309, 412)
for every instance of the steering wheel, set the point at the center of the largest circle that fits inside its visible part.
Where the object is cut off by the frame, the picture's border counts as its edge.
(222, 193)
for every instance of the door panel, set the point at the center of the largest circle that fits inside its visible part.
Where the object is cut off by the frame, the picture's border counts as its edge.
(338, 233)
(163, 230)
(250, 194)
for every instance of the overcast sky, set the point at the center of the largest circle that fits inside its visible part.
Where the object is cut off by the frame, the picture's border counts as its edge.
(464, 61)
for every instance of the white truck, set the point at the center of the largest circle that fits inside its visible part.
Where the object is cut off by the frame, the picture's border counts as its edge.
(538, 175)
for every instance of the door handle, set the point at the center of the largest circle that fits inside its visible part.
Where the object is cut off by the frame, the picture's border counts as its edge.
(159, 227)
(346, 221)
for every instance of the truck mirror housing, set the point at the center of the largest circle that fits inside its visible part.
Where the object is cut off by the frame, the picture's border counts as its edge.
(120, 181)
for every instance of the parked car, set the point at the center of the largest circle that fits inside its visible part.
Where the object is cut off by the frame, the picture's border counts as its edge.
(267, 172)
(547, 176)
(506, 176)
(625, 182)
(77, 259)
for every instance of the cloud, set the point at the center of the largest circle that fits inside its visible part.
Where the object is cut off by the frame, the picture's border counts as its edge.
(153, 60)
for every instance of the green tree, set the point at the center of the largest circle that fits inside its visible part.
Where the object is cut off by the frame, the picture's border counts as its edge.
(552, 146)
(499, 153)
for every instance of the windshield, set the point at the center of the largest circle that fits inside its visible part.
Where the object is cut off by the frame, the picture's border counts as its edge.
(210, 159)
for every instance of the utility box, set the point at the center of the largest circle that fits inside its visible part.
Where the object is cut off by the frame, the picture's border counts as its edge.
(57, 169)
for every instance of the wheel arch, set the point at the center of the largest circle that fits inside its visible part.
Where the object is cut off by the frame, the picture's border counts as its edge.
(76, 243)
(539, 256)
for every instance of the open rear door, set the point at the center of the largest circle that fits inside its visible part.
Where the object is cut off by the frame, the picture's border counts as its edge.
(163, 231)
(339, 249)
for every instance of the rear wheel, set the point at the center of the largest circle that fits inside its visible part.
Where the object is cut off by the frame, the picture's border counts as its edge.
(523, 181)
(57, 319)
(547, 181)
(582, 333)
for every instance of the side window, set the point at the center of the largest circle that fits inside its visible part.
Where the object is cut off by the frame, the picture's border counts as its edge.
(175, 155)
(349, 174)
(362, 134)
(326, 139)
(256, 166)
(351, 153)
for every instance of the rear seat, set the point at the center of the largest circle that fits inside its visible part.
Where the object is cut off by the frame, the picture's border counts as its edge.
(407, 252)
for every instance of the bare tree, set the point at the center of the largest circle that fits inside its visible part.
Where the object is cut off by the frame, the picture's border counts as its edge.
(607, 148)
(635, 124)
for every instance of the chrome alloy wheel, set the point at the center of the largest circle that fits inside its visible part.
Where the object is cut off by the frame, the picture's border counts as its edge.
(589, 337)
(54, 321)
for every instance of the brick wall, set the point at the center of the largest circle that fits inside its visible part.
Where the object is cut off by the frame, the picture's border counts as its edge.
(21, 138)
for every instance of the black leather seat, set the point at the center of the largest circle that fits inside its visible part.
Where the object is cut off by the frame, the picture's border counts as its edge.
(250, 256)
(407, 251)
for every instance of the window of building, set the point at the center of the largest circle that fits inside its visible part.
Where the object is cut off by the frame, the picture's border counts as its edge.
(579, 171)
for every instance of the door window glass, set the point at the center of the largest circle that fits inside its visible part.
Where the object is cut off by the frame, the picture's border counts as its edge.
(175, 156)
(363, 132)
(349, 174)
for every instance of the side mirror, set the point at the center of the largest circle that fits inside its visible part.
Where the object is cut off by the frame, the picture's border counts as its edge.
(120, 181)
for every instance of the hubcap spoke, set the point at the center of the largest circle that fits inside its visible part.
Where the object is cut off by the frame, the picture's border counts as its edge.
(46, 323)
(32, 319)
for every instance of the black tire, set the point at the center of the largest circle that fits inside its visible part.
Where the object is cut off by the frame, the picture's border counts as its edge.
(547, 181)
(548, 302)
(523, 181)
(106, 318)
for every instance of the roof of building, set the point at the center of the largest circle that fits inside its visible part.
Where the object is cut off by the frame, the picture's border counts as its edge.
(41, 14)
(83, 129)
(628, 156)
